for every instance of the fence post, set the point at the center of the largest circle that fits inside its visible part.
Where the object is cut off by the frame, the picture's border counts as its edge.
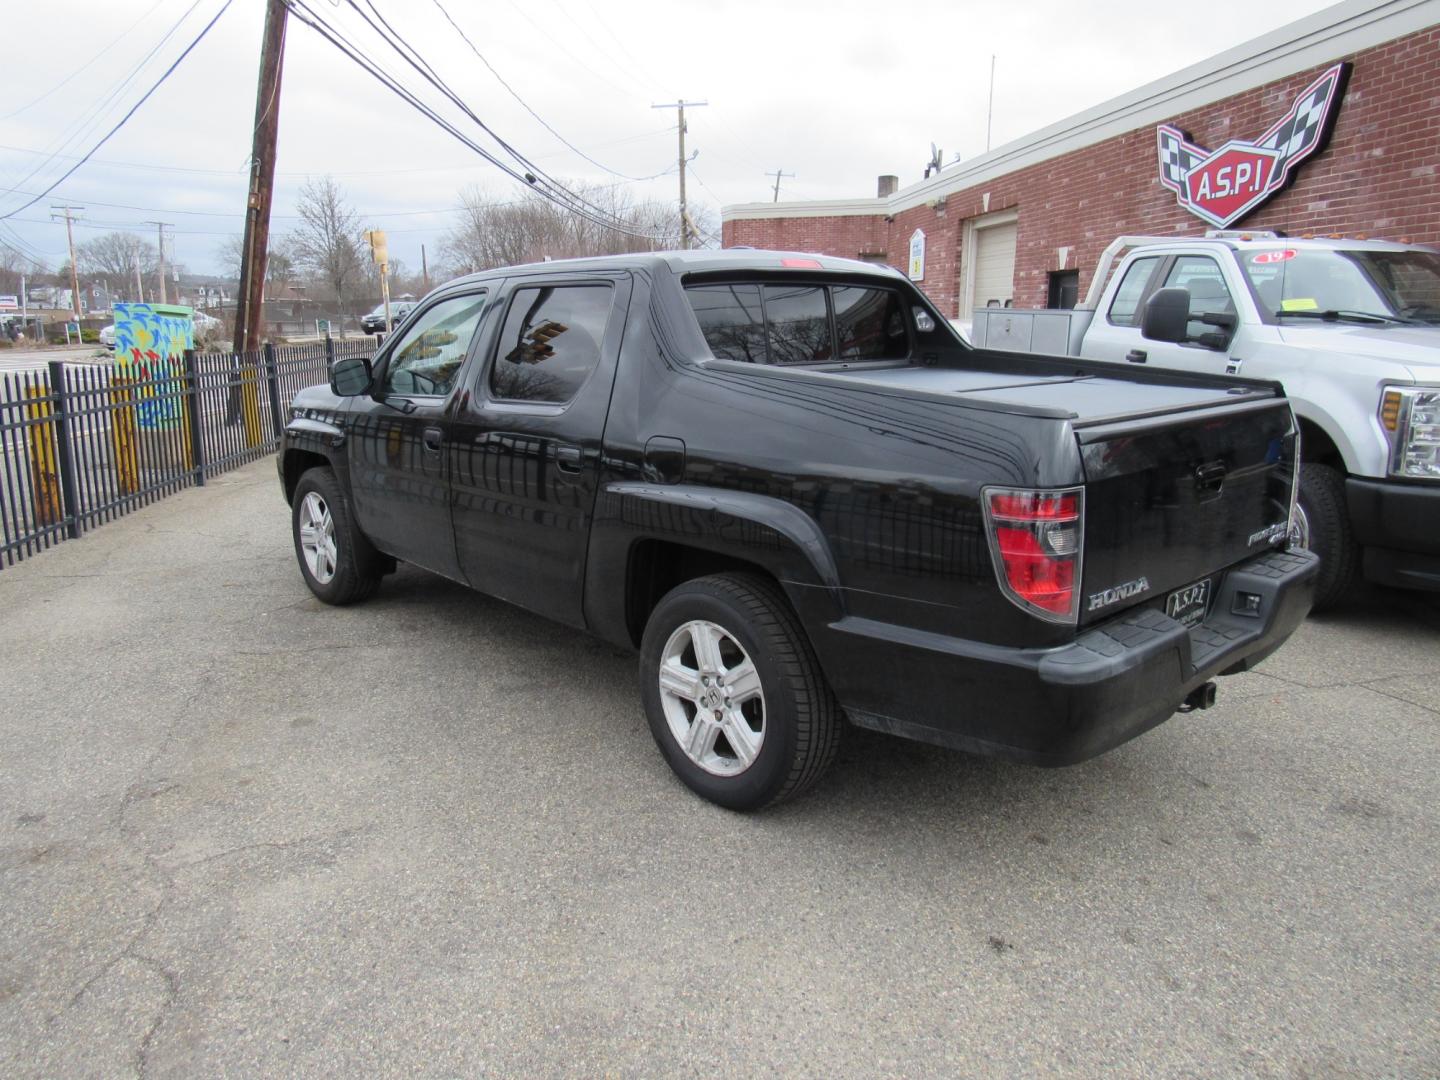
(195, 417)
(68, 491)
(272, 378)
(329, 351)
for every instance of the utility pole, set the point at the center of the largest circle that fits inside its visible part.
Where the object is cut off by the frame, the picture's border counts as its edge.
(424, 269)
(139, 282)
(250, 301)
(684, 215)
(66, 212)
(778, 174)
(160, 273)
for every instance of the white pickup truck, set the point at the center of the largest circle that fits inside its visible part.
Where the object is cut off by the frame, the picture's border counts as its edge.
(1352, 330)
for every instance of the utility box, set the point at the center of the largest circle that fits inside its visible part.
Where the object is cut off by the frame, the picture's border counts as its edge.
(1051, 331)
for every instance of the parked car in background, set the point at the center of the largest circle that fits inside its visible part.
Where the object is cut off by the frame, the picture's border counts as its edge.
(1352, 329)
(107, 337)
(374, 322)
(787, 483)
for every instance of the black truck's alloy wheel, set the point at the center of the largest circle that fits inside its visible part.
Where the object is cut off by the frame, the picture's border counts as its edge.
(336, 560)
(734, 695)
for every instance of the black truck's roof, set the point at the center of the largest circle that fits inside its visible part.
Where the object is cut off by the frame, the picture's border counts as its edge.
(684, 262)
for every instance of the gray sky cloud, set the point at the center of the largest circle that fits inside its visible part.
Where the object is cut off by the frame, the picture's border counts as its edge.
(833, 91)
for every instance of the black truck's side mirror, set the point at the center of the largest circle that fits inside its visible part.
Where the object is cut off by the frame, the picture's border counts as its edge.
(1166, 315)
(350, 376)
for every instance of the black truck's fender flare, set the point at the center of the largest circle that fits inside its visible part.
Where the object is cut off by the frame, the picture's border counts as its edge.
(772, 534)
(308, 438)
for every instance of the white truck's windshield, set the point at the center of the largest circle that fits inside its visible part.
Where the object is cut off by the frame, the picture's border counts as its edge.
(1388, 286)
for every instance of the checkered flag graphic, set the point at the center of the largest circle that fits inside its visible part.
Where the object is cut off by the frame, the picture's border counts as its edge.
(1177, 157)
(1298, 133)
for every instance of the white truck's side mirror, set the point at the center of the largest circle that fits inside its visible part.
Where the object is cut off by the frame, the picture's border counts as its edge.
(1166, 315)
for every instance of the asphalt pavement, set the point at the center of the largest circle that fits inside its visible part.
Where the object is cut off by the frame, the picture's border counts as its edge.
(245, 834)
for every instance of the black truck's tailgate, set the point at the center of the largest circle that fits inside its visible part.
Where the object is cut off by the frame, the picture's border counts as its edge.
(1171, 500)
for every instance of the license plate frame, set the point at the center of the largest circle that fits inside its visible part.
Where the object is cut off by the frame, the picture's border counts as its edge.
(1187, 606)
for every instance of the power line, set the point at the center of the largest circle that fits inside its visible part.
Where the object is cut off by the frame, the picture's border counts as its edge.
(537, 180)
(86, 123)
(85, 66)
(524, 104)
(534, 175)
(236, 173)
(124, 119)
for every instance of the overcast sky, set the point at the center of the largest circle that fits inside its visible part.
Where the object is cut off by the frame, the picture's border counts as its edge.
(834, 91)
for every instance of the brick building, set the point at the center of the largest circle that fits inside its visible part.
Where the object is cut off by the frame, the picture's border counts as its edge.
(1026, 222)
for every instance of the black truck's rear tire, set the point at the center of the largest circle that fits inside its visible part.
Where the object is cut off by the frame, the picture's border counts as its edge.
(734, 695)
(337, 561)
(1323, 522)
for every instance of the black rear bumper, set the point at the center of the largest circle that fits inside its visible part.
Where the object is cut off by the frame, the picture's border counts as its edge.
(1062, 705)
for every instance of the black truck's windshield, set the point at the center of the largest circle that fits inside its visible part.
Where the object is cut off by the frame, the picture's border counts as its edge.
(1388, 286)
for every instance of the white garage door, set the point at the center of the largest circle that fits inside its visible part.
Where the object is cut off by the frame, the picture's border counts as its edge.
(995, 264)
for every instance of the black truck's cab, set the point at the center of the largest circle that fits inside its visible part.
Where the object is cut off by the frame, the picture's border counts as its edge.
(787, 483)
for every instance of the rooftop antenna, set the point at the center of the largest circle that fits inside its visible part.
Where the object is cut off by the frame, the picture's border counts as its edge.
(990, 109)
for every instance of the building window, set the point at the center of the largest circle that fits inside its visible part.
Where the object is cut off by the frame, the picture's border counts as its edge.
(1064, 289)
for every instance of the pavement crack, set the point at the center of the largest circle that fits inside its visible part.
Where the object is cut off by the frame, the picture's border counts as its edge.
(276, 845)
(172, 995)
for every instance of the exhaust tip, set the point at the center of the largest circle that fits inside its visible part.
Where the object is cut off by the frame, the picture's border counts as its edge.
(1202, 697)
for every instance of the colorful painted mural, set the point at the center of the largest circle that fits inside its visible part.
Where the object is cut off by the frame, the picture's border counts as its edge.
(150, 344)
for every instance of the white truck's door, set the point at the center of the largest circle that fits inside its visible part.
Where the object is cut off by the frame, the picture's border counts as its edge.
(1214, 288)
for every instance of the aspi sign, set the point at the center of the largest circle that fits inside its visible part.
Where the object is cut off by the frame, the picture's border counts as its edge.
(1222, 186)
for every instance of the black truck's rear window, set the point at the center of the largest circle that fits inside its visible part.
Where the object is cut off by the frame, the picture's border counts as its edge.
(800, 323)
(732, 321)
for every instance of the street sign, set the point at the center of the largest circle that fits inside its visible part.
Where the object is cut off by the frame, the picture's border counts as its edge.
(322, 327)
(917, 255)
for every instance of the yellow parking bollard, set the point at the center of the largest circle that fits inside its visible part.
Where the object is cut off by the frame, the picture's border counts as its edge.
(44, 457)
(250, 403)
(123, 435)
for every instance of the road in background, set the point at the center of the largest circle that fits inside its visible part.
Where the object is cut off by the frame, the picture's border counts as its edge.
(243, 833)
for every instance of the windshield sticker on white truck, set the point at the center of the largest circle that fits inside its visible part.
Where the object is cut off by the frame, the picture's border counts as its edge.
(1299, 303)
(1118, 593)
(1262, 258)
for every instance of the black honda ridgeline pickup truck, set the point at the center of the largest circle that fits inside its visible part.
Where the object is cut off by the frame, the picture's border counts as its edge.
(790, 486)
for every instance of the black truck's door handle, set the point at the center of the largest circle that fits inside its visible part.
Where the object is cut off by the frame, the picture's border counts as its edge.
(568, 458)
(1137, 356)
(432, 437)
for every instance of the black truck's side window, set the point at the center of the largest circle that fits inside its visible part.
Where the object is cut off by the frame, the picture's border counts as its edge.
(870, 323)
(799, 321)
(550, 342)
(732, 321)
(426, 359)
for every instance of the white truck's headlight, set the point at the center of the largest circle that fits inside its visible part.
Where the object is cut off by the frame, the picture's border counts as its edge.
(1410, 416)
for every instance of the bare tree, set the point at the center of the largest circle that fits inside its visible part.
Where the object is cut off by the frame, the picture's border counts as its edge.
(113, 257)
(280, 264)
(327, 241)
(503, 232)
(14, 266)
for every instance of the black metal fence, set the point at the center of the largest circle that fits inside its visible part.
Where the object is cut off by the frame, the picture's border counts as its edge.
(81, 444)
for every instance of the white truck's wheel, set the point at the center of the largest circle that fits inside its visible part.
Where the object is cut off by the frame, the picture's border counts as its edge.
(1322, 524)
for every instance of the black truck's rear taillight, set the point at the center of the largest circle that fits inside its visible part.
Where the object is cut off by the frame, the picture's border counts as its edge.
(1037, 543)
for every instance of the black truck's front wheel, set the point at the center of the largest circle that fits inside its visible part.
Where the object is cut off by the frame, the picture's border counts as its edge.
(735, 698)
(336, 560)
